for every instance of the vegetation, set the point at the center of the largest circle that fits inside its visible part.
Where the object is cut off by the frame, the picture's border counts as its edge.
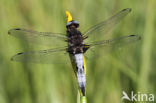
(130, 68)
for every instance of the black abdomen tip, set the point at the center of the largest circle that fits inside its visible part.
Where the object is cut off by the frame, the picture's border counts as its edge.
(83, 90)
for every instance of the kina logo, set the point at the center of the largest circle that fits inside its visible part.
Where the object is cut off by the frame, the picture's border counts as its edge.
(138, 97)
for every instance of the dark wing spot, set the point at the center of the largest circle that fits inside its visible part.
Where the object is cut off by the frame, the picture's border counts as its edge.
(9, 32)
(139, 38)
(12, 59)
(132, 35)
(19, 53)
(129, 9)
(17, 29)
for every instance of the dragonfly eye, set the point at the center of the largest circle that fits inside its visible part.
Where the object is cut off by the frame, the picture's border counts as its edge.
(73, 22)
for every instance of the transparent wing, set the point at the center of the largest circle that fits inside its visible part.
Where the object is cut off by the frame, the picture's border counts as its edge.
(108, 46)
(117, 41)
(45, 38)
(105, 26)
(58, 55)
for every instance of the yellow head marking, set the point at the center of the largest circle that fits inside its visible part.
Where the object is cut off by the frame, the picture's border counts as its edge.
(69, 17)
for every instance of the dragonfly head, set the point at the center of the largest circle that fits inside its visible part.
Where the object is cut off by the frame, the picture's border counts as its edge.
(70, 21)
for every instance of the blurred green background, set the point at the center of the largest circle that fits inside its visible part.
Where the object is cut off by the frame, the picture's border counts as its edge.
(131, 68)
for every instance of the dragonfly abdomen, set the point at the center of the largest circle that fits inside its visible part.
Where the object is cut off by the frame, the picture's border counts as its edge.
(80, 72)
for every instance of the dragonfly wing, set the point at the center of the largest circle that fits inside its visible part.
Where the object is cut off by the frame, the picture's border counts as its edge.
(45, 38)
(58, 55)
(121, 41)
(105, 26)
(108, 46)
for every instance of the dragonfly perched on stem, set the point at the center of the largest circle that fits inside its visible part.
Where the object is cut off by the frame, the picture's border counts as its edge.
(74, 43)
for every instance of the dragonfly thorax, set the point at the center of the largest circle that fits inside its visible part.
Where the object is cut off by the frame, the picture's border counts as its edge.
(75, 40)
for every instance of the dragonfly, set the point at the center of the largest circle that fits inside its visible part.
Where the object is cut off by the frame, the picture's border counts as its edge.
(74, 44)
